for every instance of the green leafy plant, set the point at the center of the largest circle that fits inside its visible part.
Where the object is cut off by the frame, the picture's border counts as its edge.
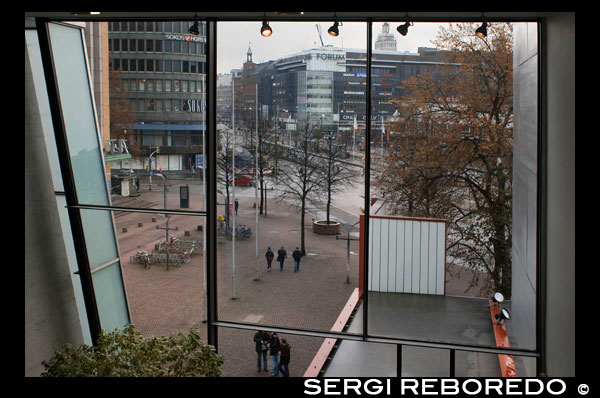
(126, 353)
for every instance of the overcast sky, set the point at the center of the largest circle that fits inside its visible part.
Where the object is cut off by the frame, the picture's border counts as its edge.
(289, 38)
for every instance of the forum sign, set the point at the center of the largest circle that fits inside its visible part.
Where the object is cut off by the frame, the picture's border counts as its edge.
(330, 61)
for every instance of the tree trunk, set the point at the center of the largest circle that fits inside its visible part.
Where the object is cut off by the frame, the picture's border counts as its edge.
(302, 227)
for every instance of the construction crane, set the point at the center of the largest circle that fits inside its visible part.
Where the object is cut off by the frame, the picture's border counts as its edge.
(320, 37)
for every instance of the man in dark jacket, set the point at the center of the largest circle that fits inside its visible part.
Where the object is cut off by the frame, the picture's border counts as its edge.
(281, 256)
(261, 340)
(274, 347)
(297, 254)
(284, 359)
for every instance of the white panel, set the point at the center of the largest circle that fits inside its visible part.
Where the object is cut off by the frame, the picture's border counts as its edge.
(384, 255)
(423, 263)
(416, 257)
(408, 256)
(392, 249)
(400, 225)
(441, 258)
(376, 254)
(432, 260)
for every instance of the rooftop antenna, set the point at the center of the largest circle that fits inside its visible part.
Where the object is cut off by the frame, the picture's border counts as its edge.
(319, 31)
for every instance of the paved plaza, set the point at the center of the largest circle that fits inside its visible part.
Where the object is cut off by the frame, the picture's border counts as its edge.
(165, 302)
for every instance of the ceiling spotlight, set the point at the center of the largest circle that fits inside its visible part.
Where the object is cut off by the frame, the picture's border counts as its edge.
(403, 29)
(502, 315)
(266, 30)
(497, 298)
(194, 29)
(333, 30)
(482, 30)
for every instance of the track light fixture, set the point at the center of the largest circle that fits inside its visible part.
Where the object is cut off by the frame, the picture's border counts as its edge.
(265, 30)
(333, 30)
(194, 29)
(403, 29)
(482, 30)
(502, 315)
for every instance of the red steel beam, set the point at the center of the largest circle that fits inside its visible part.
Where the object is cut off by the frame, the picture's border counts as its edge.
(507, 364)
(321, 357)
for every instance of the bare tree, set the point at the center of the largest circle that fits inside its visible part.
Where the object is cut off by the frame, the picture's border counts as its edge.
(452, 157)
(299, 179)
(334, 173)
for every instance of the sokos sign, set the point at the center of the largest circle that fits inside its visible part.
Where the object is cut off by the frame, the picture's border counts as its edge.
(185, 37)
(194, 105)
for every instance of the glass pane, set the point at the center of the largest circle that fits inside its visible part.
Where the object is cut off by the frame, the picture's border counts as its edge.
(440, 233)
(166, 294)
(141, 134)
(478, 364)
(110, 297)
(99, 236)
(286, 116)
(362, 359)
(78, 113)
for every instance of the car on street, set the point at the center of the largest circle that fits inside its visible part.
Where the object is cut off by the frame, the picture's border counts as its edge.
(242, 180)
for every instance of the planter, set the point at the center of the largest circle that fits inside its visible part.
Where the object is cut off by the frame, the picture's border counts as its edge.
(322, 228)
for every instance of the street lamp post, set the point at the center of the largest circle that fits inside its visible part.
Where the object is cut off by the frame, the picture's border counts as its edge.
(348, 239)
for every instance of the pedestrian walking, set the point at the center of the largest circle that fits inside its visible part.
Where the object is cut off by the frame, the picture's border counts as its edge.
(237, 204)
(297, 255)
(269, 255)
(281, 256)
(274, 347)
(261, 340)
(284, 359)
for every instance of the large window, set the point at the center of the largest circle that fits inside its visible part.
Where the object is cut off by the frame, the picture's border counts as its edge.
(376, 168)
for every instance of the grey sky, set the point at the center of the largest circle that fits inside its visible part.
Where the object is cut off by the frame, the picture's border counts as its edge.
(293, 37)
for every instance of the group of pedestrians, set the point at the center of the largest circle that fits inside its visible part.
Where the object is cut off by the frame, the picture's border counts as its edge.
(279, 350)
(282, 256)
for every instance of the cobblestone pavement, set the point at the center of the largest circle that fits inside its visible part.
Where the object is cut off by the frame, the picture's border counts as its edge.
(166, 302)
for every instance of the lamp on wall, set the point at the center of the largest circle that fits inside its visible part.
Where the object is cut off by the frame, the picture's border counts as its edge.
(502, 315)
(497, 298)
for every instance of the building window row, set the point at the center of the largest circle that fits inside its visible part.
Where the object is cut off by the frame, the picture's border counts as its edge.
(157, 46)
(160, 85)
(157, 65)
(166, 105)
(153, 26)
